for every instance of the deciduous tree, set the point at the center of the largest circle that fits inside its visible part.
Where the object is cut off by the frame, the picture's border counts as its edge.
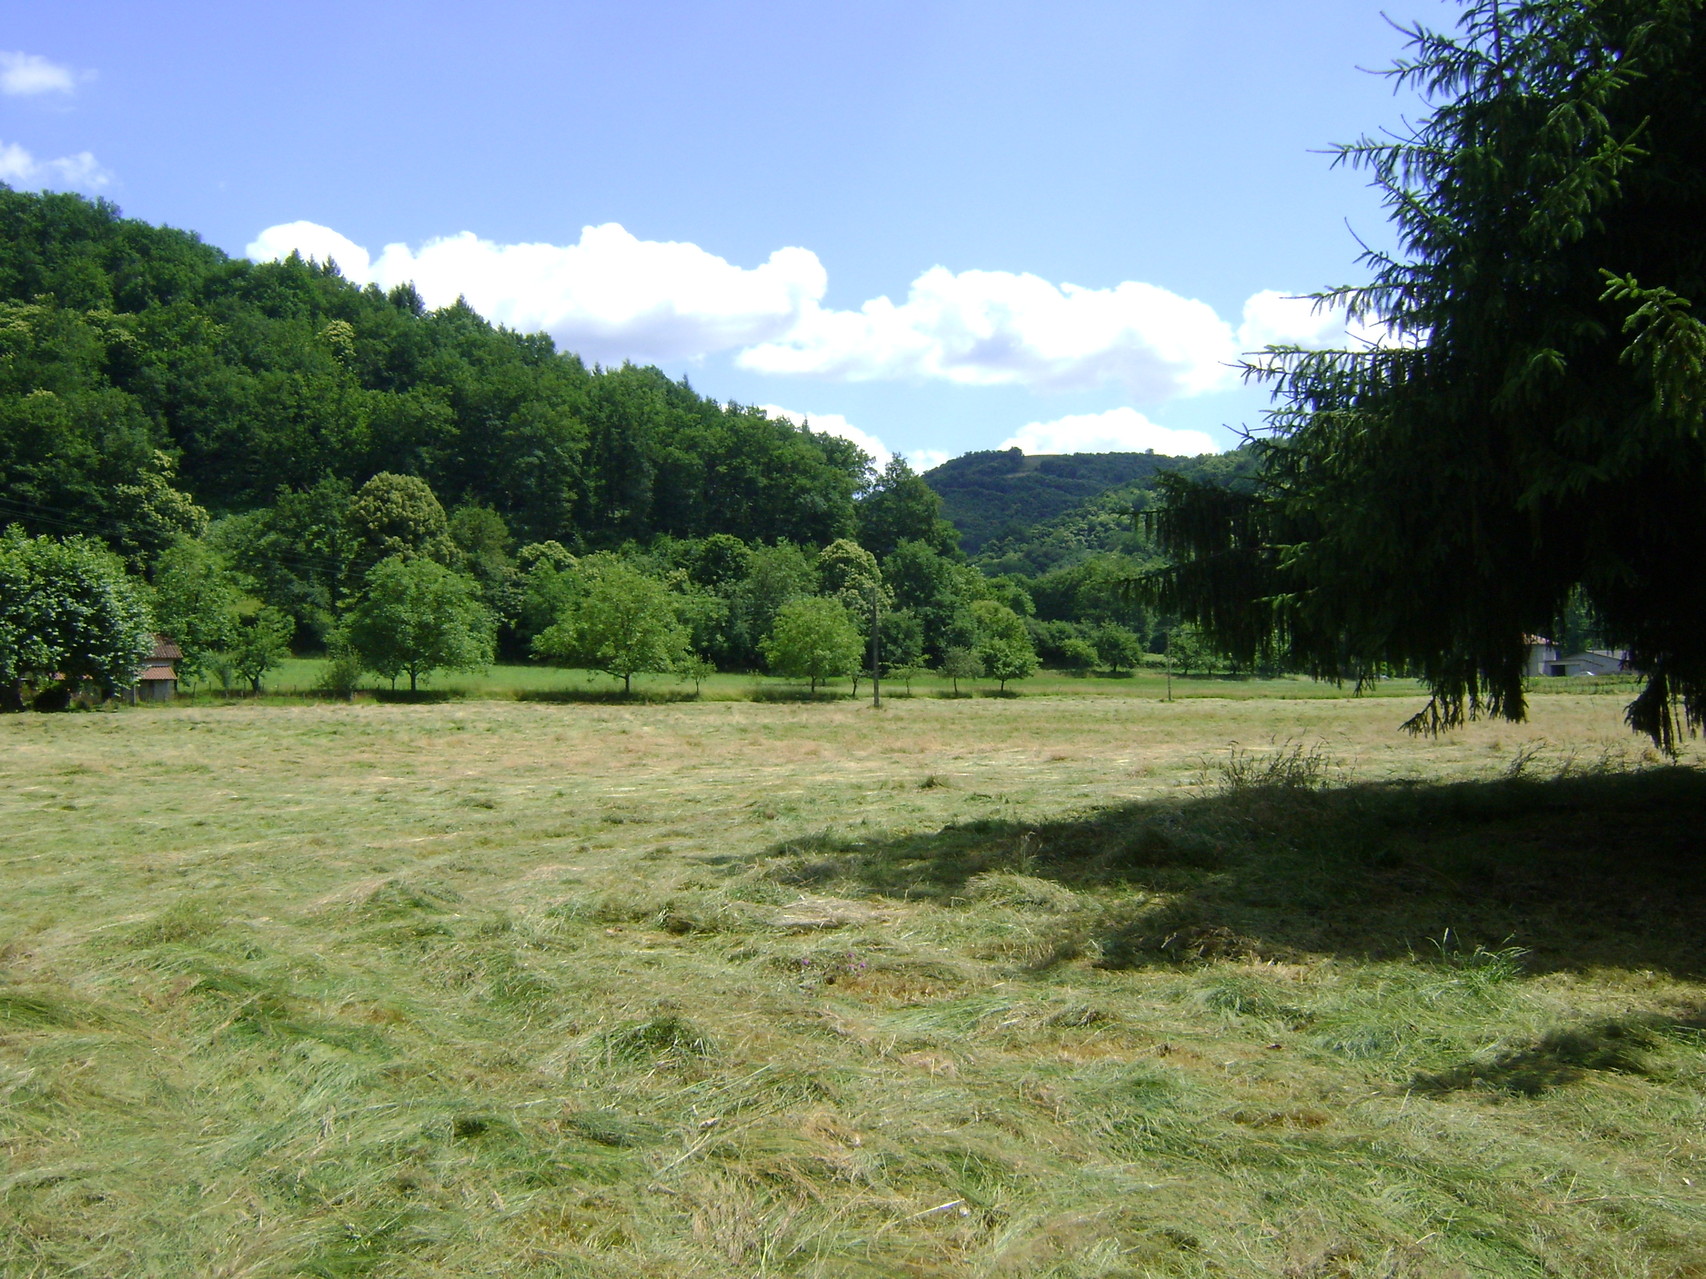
(68, 611)
(623, 622)
(416, 616)
(814, 638)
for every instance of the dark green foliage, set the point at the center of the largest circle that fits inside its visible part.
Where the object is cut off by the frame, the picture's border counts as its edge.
(1532, 435)
(296, 554)
(997, 494)
(901, 507)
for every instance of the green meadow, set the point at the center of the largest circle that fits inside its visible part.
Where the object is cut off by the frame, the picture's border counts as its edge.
(523, 982)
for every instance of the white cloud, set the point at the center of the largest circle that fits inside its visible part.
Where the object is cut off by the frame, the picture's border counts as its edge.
(922, 460)
(612, 297)
(1122, 430)
(26, 74)
(833, 424)
(608, 297)
(1277, 319)
(77, 172)
(995, 328)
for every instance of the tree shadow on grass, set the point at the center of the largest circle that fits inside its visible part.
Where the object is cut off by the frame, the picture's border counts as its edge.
(1581, 871)
(798, 693)
(1631, 1045)
(608, 696)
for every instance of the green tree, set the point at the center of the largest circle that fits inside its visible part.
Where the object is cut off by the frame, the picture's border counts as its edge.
(398, 515)
(1004, 644)
(774, 575)
(960, 663)
(1530, 422)
(623, 622)
(67, 610)
(900, 507)
(814, 638)
(416, 616)
(261, 641)
(195, 603)
(1118, 647)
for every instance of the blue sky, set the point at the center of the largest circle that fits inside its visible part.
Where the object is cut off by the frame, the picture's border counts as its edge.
(936, 226)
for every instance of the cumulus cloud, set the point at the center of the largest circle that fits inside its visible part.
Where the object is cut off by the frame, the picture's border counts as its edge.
(1122, 430)
(835, 424)
(922, 460)
(80, 172)
(27, 74)
(832, 424)
(1278, 319)
(610, 296)
(996, 328)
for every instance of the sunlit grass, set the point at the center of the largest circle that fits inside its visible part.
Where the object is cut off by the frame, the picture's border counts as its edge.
(1057, 986)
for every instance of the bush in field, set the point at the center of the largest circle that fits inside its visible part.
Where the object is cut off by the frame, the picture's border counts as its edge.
(1077, 654)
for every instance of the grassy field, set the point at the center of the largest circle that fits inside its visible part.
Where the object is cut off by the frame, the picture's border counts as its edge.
(1046, 986)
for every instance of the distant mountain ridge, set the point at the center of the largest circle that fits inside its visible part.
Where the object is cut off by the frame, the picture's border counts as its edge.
(1002, 493)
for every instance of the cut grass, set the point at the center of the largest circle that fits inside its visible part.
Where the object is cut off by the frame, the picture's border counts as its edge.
(1029, 987)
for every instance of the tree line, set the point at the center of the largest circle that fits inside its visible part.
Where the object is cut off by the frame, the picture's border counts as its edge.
(265, 458)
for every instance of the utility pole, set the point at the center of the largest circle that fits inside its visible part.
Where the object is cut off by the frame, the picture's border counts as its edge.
(876, 651)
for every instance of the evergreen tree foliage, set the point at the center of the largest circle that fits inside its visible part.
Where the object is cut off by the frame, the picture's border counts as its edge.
(1531, 424)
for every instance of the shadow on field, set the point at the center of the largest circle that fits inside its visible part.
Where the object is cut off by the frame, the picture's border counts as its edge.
(1579, 871)
(608, 696)
(797, 693)
(1620, 1046)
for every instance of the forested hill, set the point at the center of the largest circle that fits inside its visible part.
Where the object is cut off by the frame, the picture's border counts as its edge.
(142, 370)
(1105, 524)
(1004, 493)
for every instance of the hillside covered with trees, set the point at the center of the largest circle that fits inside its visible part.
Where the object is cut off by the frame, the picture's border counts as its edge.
(1001, 493)
(271, 458)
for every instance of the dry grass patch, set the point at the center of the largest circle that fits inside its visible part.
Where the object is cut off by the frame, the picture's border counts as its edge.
(1028, 987)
